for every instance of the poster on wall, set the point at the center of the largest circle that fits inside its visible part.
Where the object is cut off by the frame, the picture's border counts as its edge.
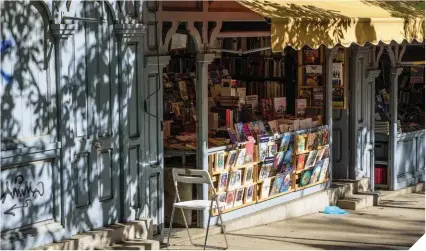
(337, 74)
(338, 97)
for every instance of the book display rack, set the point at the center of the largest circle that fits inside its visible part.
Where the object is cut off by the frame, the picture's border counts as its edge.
(274, 166)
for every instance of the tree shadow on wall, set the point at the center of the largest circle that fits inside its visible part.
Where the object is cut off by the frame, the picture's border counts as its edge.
(44, 182)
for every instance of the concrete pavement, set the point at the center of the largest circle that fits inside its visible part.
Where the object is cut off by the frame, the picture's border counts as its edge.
(397, 223)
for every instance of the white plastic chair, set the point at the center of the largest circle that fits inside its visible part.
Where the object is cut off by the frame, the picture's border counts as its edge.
(193, 176)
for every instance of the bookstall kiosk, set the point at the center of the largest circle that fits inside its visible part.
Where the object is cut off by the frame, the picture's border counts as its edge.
(399, 120)
(211, 158)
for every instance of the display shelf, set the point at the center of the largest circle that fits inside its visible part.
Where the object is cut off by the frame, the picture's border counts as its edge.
(310, 185)
(235, 208)
(306, 169)
(235, 168)
(276, 195)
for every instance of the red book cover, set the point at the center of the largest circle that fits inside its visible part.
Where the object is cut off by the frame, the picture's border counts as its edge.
(301, 162)
(228, 118)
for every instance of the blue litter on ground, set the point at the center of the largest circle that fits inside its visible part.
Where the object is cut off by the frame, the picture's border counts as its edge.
(334, 210)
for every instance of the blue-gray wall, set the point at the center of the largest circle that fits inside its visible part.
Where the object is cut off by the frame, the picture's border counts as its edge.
(78, 151)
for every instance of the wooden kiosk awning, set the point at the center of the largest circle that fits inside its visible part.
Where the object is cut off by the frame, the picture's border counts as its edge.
(330, 22)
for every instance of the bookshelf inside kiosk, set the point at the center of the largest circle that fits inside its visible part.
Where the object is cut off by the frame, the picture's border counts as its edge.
(266, 138)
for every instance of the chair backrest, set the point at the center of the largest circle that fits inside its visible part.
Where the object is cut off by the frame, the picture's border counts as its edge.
(191, 176)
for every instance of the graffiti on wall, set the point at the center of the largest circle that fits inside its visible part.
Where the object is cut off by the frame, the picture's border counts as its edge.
(20, 188)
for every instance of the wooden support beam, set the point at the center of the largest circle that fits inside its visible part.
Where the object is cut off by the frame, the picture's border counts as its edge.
(232, 34)
(182, 16)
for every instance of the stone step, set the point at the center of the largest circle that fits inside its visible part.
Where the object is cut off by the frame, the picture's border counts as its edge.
(356, 202)
(135, 245)
(105, 236)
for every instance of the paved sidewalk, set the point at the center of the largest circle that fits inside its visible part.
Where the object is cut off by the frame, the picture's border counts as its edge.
(397, 223)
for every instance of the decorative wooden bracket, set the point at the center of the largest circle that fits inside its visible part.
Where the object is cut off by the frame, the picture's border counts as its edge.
(396, 52)
(375, 54)
(214, 33)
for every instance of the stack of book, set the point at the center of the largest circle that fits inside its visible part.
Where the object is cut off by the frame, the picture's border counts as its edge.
(229, 101)
(384, 127)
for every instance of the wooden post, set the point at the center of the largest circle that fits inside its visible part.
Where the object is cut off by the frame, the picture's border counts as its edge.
(203, 60)
(393, 135)
(331, 54)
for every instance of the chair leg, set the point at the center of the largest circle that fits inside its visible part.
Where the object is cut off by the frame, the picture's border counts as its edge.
(186, 225)
(222, 225)
(207, 232)
(170, 227)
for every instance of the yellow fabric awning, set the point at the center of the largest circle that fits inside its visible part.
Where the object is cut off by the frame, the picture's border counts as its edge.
(330, 22)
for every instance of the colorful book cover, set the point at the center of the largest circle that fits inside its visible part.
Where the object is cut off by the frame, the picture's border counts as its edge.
(249, 151)
(325, 153)
(317, 96)
(300, 143)
(313, 75)
(318, 157)
(248, 175)
(285, 142)
(287, 179)
(278, 160)
(231, 159)
(274, 126)
(311, 56)
(262, 128)
(310, 141)
(235, 180)
(300, 162)
(256, 128)
(306, 177)
(310, 161)
(223, 182)
(266, 108)
(324, 137)
(324, 170)
(249, 194)
(266, 187)
(232, 136)
(276, 186)
(268, 128)
(222, 200)
(272, 149)
(220, 161)
(287, 156)
(263, 147)
(246, 131)
(241, 157)
(230, 198)
(239, 131)
(337, 74)
(280, 105)
(265, 170)
(229, 117)
(239, 197)
(316, 172)
(251, 129)
(301, 105)
(318, 139)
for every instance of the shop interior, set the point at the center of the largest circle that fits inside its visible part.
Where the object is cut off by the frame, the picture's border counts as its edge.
(410, 116)
(267, 135)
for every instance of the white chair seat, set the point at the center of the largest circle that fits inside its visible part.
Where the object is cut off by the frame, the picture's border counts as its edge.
(197, 204)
